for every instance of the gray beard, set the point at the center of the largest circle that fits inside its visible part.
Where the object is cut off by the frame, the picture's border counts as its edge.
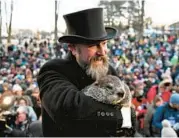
(97, 72)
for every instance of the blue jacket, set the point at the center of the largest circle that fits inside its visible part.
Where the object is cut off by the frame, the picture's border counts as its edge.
(165, 112)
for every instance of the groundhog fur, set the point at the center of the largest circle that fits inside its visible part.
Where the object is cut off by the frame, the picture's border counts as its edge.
(110, 90)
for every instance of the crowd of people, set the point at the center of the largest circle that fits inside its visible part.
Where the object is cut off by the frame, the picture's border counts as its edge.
(149, 67)
(19, 67)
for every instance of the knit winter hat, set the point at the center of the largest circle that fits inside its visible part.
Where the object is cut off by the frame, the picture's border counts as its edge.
(174, 99)
(167, 130)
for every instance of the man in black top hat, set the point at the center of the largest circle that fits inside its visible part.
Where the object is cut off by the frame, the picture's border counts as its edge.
(66, 111)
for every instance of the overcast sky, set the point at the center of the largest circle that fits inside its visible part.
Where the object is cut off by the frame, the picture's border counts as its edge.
(39, 14)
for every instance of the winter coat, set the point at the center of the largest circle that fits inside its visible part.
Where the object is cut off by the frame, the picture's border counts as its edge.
(165, 112)
(66, 111)
(153, 91)
(148, 119)
(32, 129)
(35, 129)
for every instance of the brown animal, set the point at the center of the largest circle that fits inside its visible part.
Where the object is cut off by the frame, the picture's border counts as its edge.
(110, 90)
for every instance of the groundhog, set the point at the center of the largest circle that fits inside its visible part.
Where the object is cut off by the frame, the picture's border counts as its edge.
(110, 90)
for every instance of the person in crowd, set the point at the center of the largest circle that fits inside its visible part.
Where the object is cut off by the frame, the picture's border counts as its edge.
(22, 126)
(151, 108)
(23, 101)
(163, 89)
(168, 111)
(19, 127)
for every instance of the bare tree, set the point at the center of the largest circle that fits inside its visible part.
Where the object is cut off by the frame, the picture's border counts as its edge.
(113, 9)
(142, 19)
(56, 19)
(10, 23)
(5, 4)
(147, 22)
(127, 9)
(0, 25)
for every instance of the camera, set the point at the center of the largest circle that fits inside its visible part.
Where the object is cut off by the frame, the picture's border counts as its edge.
(10, 117)
(6, 120)
(7, 113)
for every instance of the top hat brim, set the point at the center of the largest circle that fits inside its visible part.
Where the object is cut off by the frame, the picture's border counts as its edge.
(76, 39)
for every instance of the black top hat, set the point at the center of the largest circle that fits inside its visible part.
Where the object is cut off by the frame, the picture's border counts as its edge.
(86, 27)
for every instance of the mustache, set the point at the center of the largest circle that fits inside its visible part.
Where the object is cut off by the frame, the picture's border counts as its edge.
(97, 71)
(99, 58)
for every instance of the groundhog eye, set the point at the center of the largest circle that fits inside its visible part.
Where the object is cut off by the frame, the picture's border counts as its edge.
(109, 86)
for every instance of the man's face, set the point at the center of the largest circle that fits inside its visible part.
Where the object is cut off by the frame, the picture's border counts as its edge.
(18, 92)
(35, 93)
(92, 58)
(21, 117)
(158, 103)
(175, 106)
(22, 102)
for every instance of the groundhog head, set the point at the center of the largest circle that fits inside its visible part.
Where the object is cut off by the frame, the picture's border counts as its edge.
(116, 91)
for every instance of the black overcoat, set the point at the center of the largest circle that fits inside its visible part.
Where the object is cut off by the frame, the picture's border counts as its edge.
(66, 111)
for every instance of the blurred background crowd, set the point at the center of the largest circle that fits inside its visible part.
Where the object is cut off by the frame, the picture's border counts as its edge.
(149, 66)
(145, 56)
